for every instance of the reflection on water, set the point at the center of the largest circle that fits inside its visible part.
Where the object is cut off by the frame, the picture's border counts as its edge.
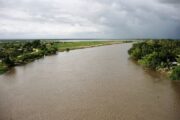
(90, 84)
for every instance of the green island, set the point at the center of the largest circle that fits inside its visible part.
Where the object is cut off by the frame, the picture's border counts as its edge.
(13, 53)
(160, 55)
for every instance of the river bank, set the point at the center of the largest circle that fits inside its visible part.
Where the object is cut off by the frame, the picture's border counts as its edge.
(160, 55)
(22, 52)
(16, 53)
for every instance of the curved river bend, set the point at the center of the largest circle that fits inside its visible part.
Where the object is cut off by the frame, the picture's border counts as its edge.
(98, 83)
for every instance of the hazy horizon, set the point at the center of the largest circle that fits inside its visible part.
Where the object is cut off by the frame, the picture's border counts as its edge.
(88, 39)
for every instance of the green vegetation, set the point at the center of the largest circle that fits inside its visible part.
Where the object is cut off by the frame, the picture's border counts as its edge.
(17, 53)
(3, 68)
(175, 73)
(66, 46)
(158, 55)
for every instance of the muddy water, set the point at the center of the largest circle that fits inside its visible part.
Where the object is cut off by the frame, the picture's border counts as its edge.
(98, 83)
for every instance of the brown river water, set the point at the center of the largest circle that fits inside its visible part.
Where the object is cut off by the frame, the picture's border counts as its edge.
(98, 83)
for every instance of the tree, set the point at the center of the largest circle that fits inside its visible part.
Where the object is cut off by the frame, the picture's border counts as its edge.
(8, 61)
(36, 43)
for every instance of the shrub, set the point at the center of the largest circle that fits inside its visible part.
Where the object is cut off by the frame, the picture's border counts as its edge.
(3, 68)
(175, 73)
(151, 60)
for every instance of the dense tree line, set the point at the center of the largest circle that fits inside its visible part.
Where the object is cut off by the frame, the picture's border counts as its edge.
(158, 54)
(15, 53)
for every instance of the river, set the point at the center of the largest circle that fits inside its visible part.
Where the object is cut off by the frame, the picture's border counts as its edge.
(99, 83)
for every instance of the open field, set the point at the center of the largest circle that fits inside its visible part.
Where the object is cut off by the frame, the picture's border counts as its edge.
(63, 46)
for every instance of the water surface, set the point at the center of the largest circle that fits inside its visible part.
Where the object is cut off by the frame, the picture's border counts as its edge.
(98, 83)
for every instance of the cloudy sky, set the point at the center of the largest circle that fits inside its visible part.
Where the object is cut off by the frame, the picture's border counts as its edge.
(90, 19)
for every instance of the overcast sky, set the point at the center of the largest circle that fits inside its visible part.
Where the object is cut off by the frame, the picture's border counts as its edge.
(90, 19)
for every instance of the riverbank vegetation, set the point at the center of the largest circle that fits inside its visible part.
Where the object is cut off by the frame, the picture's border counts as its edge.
(161, 55)
(21, 52)
(13, 53)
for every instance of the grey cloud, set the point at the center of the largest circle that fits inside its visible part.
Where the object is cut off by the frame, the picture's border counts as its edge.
(89, 18)
(171, 1)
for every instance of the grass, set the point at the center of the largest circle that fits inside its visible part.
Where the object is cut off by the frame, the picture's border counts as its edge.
(66, 46)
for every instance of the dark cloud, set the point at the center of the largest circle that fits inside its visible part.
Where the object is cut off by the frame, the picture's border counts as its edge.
(171, 1)
(90, 18)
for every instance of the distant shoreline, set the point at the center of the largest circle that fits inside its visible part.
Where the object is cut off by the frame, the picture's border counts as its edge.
(66, 46)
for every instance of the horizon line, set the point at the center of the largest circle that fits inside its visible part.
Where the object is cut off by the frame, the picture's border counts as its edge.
(89, 38)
